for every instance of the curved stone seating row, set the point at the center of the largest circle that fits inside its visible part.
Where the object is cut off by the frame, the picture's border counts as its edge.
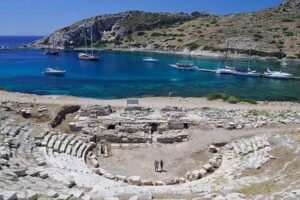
(246, 146)
(65, 151)
(252, 153)
(213, 164)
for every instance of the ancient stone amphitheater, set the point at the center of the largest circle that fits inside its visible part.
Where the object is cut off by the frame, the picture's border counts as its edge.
(100, 152)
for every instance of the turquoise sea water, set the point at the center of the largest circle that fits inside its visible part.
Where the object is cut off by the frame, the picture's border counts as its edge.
(124, 74)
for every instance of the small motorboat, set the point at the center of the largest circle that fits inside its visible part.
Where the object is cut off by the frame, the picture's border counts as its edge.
(184, 65)
(247, 72)
(52, 52)
(277, 75)
(150, 59)
(86, 56)
(54, 72)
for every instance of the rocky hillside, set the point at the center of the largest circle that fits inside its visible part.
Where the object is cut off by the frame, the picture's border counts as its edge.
(108, 28)
(267, 32)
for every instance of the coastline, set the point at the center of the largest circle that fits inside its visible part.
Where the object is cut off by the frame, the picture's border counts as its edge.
(197, 53)
(185, 52)
(153, 102)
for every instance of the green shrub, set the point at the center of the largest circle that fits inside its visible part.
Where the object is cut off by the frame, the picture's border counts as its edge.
(289, 33)
(228, 98)
(141, 33)
(157, 34)
(287, 20)
(215, 96)
(179, 40)
(102, 43)
(117, 42)
(257, 35)
(232, 100)
(169, 39)
(192, 46)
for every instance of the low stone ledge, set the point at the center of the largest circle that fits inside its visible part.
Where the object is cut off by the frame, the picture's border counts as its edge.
(135, 180)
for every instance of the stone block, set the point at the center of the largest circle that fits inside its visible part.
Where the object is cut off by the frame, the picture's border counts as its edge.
(159, 183)
(52, 194)
(20, 171)
(44, 175)
(207, 167)
(109, 176)
(31, 195)
(147, 182)
(121, 178)
(9, 195)
(135, 180)
(212, 149)
(63, 197)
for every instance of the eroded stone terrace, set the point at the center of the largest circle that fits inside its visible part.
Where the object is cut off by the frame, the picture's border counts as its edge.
(103, 152)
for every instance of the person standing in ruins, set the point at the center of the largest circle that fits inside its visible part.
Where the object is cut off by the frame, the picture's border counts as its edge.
(156, 163)
(161, 165)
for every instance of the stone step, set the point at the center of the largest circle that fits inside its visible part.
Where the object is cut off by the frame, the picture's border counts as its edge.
(65, 144)
(76, 148)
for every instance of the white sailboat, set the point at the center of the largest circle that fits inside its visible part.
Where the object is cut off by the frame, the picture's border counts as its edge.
(246, 72)
(86, 55)
(226, 69)
(277, 75)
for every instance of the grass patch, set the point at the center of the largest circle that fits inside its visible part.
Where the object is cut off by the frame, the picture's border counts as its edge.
(267, 187)
(229, 98)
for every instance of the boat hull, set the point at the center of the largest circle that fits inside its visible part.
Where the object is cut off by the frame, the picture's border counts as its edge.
(183, 68)
(88, 57)
(151, 61)
(278, 77)
(246, 74)
(54, 74)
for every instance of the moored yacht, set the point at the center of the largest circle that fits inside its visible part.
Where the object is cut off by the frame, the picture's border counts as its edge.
(277, 75)
(225, 70)
(245, 72)
(150, 59)
(86, 55)
(184, 65)
(54, 72)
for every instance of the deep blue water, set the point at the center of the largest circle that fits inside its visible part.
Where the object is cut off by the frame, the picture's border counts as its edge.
(123, 75)
(16, 41)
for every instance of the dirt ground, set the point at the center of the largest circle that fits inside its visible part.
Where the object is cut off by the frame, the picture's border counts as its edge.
(178, 158)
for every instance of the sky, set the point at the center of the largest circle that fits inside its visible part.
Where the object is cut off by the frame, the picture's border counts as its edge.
(41, 17)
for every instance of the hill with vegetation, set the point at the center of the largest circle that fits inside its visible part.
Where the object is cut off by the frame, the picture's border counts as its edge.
(268, 32)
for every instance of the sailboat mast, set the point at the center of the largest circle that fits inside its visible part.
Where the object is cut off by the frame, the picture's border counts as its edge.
(85, 43)
(249, 61)
(92, 41)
